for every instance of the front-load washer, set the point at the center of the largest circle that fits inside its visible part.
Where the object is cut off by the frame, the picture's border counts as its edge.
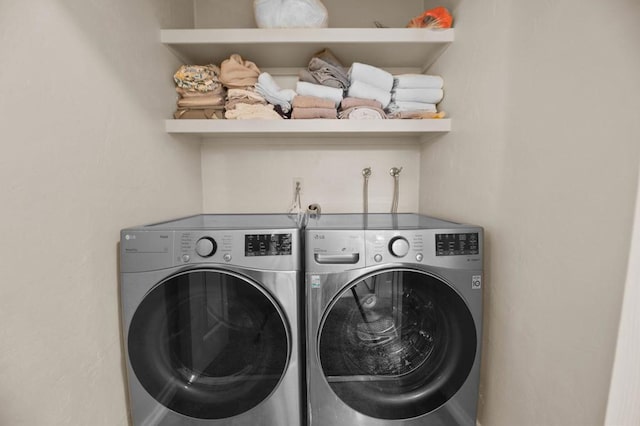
(210, 320)
(394, 320)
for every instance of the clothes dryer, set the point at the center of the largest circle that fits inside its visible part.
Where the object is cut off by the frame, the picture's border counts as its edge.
(210, 320)
(394, 320)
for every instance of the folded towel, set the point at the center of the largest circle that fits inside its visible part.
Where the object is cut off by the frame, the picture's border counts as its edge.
(236, 72)
(328, 56)
(271, 91)
(252, 112)
(305, 75)
(310, 89)
(308, 113)
(201, 78)
(359, 89)
(417, 115)
(198, 114)
(409, 81)
(363, 113)
(431, 96)
(205, 101)
(371, 75)
(328, 74)
(396, 106)
(302, 101)
(184, 93)
(354, 102)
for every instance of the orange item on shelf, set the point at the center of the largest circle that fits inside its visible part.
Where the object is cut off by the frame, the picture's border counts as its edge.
(438, 17)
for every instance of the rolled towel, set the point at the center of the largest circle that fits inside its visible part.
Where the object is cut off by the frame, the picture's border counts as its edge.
(302, 101)
(430, 96)
(371, 75)
(310, 89)
(413, 81)
(309, 113)
(397, 106)
(359, 89)
(363, 113)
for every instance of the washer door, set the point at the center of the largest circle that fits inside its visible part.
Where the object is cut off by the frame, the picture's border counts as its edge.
(208, 344)
(397, 344)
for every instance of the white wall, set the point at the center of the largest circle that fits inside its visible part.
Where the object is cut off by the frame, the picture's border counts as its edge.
(544, 154)
(84, 87)
(244, 177)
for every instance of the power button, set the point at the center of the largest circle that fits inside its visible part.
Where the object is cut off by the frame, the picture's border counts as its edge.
(377, 258)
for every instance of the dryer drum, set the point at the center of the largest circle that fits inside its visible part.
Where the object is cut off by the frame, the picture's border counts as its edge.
(404, 356)
(208, 344)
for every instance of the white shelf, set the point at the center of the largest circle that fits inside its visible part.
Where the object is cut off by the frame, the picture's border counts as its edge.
(413, 48)
(269, 129)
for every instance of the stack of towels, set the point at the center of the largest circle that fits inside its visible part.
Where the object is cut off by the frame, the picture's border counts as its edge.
(416, 96)
(305, 107)
(200, 92)
(369, 82)
(320, 87)
(243, 101)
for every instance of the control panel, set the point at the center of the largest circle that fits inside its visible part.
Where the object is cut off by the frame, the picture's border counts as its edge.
(457, 244)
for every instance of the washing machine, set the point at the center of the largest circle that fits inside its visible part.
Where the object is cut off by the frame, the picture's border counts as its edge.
(210, 313)
(394, 320)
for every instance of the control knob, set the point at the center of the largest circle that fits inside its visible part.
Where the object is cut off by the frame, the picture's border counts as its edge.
(206, 247)
(399, 246)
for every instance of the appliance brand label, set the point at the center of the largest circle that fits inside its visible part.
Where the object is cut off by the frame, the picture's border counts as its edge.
(476, 282)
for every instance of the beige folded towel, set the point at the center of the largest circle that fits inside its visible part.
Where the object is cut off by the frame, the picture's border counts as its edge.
(252, 112)
(198, 114)
(355, 102)
(305, 101)
(308, 113)
(236, 72)
(219, 90)
(204, 101)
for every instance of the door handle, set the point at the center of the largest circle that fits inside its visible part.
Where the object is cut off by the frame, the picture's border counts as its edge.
(337, 258)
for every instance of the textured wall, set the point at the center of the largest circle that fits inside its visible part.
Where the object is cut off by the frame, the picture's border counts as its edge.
(85, 86)
(544, 154)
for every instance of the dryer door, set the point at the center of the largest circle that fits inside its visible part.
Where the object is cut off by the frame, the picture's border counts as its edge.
(209, 344)
(397, 344)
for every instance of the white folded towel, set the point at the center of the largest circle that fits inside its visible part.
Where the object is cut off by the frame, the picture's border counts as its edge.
(359, 89)
(320, 91)
(371, 75)
(269, 85)
(406, 81)
(398, 106)
(431, 96)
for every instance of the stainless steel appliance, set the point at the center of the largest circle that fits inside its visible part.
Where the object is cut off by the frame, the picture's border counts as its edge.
(394, 320)
(210, 320)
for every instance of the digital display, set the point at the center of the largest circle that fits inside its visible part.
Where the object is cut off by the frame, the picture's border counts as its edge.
(267, 244)
(457, 244)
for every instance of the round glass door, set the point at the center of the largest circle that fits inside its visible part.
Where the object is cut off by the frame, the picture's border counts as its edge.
(208, 344)
(397, 344)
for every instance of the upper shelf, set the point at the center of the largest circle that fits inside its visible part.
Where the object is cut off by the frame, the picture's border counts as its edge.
(414, 48)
